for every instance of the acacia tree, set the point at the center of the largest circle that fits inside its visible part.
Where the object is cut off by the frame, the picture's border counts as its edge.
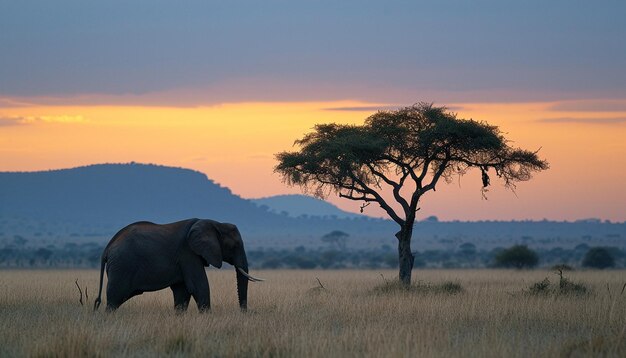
(404, 153)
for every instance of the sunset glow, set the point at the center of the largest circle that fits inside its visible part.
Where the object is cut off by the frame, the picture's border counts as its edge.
(234, 145)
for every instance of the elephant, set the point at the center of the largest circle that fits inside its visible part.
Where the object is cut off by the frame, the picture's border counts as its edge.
(145, 256)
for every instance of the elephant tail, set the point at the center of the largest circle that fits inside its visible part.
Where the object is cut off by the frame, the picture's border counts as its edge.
(103, 262)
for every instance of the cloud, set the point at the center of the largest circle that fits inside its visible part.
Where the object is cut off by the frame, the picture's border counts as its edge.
(614, 120)
(363, 108)
(6, 102)
(12, 121)
(378, 108)
(21, 120)
(60, 119)
(590, 106)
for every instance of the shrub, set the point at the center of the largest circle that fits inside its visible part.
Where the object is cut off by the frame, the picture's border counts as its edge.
(541, 287)
(598, 257)
(518, 256)
(565, 287)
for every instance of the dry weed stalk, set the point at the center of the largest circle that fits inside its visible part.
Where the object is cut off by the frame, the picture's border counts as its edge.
(80, 299)
(320, 282)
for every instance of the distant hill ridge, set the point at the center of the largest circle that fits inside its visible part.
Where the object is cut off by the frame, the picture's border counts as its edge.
(113, 195)
(302, 205)
(116, 192)
(109, 196)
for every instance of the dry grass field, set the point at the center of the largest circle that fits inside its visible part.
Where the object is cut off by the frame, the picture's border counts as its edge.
(290, 316)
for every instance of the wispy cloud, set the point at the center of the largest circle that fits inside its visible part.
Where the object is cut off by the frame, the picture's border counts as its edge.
(590, 106)
(61, 119)
(6, 102)
(613, 120)
(378, 108)
(21, 120)
(11, 121)
(363, 108)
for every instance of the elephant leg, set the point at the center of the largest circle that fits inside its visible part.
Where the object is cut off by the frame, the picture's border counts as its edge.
(202, 293)
(118, 292)
(196, 282)
(115, 298)
(181, 296)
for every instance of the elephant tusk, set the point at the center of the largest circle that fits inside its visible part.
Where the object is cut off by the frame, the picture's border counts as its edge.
(253, 279)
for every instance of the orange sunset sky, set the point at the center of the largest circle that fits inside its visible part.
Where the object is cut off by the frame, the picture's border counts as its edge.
(222, 88)
(234, 145)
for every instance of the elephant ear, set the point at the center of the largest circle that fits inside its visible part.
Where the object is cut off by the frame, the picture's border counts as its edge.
(203, 240)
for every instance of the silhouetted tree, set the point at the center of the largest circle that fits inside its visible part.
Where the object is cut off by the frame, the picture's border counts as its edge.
(336, 237)
(467, 249)
(518, 256)
(405, 152)
(598, 257)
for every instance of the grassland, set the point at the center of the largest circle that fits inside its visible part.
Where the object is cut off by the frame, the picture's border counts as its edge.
(291, 316)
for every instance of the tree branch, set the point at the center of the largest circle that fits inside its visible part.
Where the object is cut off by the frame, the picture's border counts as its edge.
(433, 182)
(352, 197)
(396, 187)
(424, 171)
(382, 176)
(383, 204)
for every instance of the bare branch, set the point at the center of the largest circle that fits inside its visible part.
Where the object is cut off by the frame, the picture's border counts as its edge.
(356, 198)
(364, 206)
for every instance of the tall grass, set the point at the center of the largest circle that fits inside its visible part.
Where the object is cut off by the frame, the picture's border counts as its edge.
(290, 315)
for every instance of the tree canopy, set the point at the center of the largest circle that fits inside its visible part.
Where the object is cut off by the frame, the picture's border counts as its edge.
(395, 146)
(518, 256)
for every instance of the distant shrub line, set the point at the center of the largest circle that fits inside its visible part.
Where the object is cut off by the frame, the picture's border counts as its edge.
(87, 255)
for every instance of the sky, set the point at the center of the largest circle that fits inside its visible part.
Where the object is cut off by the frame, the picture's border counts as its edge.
(221, 87)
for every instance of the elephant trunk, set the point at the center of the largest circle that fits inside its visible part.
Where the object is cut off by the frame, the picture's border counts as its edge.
(242, 287)
(242, 284)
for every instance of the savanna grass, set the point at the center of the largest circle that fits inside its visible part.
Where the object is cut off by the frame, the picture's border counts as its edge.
(290, 315)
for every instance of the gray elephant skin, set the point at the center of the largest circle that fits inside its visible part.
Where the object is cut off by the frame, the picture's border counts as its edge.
(144, 257)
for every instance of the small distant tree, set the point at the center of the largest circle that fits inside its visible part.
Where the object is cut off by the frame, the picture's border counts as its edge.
(336, 237)
(598, 257)
(467, 249)
(403, 153)
(518, 256)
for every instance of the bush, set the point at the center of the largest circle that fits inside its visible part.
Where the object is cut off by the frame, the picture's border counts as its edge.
(518, 256)
(598, 257)
(565, 287)
(541, 287)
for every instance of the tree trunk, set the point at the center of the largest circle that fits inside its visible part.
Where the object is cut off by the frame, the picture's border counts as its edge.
(405, 256)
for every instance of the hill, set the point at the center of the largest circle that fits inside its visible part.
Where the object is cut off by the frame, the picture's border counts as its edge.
(118, 193)
(91, 203)
(96, 200)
